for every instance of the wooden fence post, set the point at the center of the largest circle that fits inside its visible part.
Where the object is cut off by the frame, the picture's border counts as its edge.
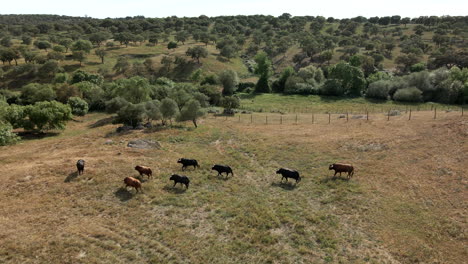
(312, 118)
(435, 112)
(409, 117)
(367, 115)
(281, 120)
(239, 117)
(266, 120)
(388, 116)
(329, 118)
(251, 118)
(296, 119)
(346, 116)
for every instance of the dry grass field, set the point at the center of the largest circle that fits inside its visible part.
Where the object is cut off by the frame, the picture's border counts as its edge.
(405, 204)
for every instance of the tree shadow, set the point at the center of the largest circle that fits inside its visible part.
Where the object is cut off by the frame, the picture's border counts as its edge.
(71, 68)
(30, 135)
(175, 190)
(115, 133)
(223, 59)
(123, 194)
(102, 122)
(139, 56)
(289, 186)
(91, 63)
(71, 176)
(160, 127)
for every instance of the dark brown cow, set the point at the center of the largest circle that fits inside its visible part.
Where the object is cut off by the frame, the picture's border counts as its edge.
(340, 167)
(143, 170)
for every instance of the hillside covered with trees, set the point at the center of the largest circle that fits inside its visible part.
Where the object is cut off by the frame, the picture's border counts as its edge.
(170, 68)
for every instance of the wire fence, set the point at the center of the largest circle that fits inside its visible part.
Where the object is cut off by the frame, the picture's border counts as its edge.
(335, 117)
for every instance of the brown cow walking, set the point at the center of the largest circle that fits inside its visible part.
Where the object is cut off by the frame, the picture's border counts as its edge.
(132, 182)
(340, 167)
(143, 170)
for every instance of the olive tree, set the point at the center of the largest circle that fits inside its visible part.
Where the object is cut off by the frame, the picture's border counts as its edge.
(169, 109)
(191, 111)
(229, 80)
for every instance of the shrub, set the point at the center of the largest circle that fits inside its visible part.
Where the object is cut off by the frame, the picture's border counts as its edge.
(418, 67)
(230, 102)
(378, 90)
(93, 95)
(421, 80)
(7, 137)
(332, 87)
(78, 106)
(65, 91)
(131, 114)
(153, 111)
(244, 85)
(115, 104)
(411, 94)
(46, 116)
(35, 92)
(229, 81)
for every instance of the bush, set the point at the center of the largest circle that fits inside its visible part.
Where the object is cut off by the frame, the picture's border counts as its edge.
(411, 94)
(418, 67)
(262, 85)
(115, 104)
(35, 92)
(78, 106)
(65, 91)
(7, 137)
(378, 90)
(244, 85)
(93, 95)
(46, 116)
(230, 102)
(332, 87)
(229, 81)
(131, 114)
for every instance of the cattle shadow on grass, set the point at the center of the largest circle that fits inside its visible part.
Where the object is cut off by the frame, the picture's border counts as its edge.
(289, 186)
(71, 176)
(220, 177)
(176, 189)
(123, 194)
(328, 179)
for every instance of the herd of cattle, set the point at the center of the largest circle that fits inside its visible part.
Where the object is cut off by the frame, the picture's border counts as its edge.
(144, 170)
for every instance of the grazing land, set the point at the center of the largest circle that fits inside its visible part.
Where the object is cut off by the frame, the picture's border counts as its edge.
(405, 204)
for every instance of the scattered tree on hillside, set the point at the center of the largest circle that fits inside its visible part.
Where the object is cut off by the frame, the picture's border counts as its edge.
(263, 69)
(191, 111)
(197, 52)
(229, 81)
(101, 53)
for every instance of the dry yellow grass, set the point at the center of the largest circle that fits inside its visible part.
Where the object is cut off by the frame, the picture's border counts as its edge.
(406, 202)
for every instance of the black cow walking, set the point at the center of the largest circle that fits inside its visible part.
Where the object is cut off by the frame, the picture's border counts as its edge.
(80, 166)
(180, 179)
(188, 162)
(288, 173)
(223, 168)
